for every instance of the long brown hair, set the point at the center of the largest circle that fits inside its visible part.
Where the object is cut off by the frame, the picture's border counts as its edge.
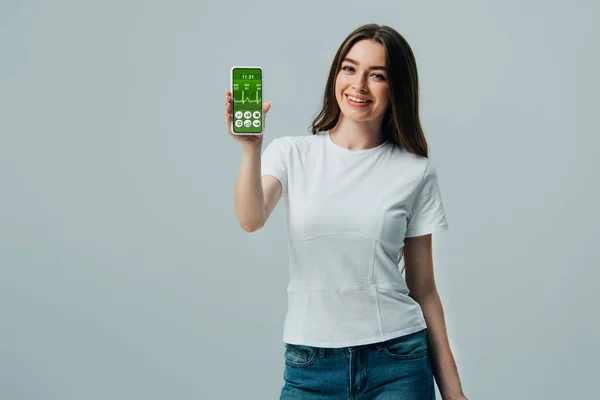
(401, 120)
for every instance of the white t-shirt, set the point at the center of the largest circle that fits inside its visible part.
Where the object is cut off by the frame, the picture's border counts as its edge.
(348, 213)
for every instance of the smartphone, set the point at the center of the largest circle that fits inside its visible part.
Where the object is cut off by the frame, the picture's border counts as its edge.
(247, 102)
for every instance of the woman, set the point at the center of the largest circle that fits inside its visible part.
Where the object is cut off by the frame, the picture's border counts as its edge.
(361, 194)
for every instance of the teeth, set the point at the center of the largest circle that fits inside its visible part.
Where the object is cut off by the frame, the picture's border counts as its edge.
(357, 99)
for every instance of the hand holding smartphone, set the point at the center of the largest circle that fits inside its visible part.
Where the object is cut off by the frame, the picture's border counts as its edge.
(236, 103)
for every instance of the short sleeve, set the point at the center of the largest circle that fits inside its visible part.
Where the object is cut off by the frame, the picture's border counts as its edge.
(273, 163)
(427, 214)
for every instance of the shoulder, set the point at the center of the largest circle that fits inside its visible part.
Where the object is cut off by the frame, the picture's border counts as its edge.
(413, 166)
(290, 146)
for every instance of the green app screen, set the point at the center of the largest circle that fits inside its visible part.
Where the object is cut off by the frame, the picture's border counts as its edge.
(247, 100)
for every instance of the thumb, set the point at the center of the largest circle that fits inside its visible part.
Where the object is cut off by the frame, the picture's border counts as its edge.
(266, 108)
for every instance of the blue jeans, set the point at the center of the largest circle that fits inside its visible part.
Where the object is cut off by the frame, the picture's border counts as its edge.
(398, 369)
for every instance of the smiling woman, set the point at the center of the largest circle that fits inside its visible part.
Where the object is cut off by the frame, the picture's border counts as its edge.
(360, 191)
(361, 71)
(361, 87)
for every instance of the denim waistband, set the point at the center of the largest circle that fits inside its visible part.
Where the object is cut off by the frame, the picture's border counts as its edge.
(324, 351)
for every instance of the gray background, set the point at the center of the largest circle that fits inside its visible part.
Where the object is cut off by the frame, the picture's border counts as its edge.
(123, 271)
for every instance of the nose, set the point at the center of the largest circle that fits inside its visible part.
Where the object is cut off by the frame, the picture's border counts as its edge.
(360, 84)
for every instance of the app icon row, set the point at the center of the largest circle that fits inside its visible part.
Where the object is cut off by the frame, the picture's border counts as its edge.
(247, 123)
(247, 114)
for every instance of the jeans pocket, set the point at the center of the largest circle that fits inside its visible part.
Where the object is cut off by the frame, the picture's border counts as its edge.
(300, 356)
(407, 347)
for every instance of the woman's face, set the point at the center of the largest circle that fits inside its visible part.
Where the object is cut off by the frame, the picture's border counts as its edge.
(361, 86)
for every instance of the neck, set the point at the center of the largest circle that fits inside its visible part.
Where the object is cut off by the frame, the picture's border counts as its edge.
(355, 135)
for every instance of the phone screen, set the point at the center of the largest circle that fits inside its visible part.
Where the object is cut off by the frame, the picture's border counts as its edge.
(247, 100)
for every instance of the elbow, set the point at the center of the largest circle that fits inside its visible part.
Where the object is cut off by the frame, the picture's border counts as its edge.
(252, 227)
(252, 223)
(424, 294)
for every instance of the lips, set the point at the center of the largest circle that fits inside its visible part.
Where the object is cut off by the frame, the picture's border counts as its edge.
(352, 97)
(356, 104)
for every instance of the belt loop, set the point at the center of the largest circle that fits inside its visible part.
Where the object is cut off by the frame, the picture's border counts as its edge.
(322, 352)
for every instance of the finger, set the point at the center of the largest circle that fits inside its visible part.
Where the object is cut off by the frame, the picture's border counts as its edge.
(266, 107)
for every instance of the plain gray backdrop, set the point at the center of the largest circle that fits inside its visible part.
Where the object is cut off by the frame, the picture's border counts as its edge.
(123, 271)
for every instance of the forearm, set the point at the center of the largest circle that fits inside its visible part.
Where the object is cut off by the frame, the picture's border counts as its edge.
(249, 196)
(443, 364)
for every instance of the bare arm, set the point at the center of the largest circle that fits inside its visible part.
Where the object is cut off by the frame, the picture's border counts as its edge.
(421, 283)
(255, 196)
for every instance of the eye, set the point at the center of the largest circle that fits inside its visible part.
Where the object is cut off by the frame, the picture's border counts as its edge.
(345, 68)
(379, 76)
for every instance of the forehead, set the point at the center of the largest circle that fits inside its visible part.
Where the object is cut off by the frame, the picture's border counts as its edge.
(368, 52)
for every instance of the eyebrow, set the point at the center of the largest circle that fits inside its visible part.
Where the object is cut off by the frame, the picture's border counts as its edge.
(351, 61)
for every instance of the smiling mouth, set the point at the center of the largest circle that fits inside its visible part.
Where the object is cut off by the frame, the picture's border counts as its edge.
(357, 101)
